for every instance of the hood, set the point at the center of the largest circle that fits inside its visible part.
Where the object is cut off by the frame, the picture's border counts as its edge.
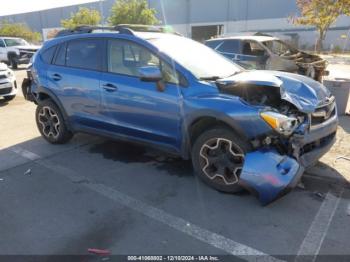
(303, 92)
(28, 47)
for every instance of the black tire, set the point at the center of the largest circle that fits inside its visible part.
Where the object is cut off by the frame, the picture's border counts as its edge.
(9, 98)
(208, 172)
(13, 63)
(51, 124)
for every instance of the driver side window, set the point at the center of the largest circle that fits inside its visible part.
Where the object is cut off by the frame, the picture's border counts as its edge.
(125, 57)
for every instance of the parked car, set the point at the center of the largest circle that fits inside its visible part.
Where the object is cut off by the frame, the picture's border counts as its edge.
(15, 51)
(257, 130)
(8, 84)
(269, 53)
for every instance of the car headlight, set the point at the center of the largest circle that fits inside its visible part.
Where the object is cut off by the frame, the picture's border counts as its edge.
(283, 124)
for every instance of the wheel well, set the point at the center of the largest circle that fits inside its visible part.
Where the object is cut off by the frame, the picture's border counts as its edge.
(11, 54)
(43, 96)
(203, 124)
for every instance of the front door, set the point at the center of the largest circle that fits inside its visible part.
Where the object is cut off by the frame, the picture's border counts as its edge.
(136, 108)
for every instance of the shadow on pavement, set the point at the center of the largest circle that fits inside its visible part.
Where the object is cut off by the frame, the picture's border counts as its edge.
(129, 153)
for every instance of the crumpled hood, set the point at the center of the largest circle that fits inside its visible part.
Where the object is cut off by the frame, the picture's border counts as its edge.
(303, 92)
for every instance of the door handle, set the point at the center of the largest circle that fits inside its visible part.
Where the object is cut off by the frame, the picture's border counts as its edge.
(56, 77)
(109, 87)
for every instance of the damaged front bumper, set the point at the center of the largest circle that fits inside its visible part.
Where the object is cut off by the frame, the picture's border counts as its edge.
(270, 175)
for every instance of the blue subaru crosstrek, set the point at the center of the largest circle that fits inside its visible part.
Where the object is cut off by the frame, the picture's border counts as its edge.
(257, 130)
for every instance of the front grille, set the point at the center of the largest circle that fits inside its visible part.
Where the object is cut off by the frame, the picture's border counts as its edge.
(3, 76)
(5, 91)
(317, 144)
(25, 55)
(324, 112)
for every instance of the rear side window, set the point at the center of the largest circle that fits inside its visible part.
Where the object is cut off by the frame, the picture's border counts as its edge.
(61, 55)
(2, 44)
(85, 54)
(48, 54)
(229, 46)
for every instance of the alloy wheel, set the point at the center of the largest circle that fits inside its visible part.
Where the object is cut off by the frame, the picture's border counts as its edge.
(221, 159)
(49, 121)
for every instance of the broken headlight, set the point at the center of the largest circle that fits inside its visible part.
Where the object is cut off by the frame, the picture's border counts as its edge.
(283, 124)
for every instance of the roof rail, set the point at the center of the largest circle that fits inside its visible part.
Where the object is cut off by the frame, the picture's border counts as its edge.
(127, 29)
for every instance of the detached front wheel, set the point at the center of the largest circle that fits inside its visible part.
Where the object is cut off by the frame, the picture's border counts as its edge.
(51, 124)
(218, 157)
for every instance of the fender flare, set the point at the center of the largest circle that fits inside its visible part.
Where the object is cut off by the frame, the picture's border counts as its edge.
(48, 93)
(186, 141)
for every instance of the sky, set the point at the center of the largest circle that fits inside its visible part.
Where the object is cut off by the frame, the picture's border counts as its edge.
(9, 7)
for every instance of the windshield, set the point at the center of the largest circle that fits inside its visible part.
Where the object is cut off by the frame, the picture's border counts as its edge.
(15, 42)
(200, 60)
(280, 48)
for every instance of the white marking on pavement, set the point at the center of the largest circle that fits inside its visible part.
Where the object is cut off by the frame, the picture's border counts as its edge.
(211, 238)
(231, 247)
(25, 153)
(317, 232)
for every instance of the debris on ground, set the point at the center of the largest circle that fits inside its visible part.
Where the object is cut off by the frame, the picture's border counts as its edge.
(319, 195)
(28, 172)
(301, 185)
(101, 252)
(342, 157)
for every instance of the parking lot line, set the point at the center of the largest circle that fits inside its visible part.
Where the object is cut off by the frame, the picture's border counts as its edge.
(25, 153)
(314, 238)
(228, 245)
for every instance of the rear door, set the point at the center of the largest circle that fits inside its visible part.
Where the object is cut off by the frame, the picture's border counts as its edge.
(74, 77)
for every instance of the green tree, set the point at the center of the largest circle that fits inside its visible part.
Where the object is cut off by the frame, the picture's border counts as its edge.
(84, 16)
(321, 14)
(19, 30)
(132, 12)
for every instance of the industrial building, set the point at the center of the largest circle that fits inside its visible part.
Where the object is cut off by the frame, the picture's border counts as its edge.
(202, 19)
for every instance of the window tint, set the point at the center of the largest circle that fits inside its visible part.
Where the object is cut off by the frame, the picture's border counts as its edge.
(47, 55)
(84, 54)
(126, 58)
(229, 46)
(213, 44)
(2, 44)
(61, 56)
(252, 48)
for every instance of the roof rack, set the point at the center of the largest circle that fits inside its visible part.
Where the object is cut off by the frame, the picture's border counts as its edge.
(127, 29)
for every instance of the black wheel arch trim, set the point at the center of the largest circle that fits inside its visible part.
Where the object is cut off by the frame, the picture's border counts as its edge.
(47, 92)
(220, 117)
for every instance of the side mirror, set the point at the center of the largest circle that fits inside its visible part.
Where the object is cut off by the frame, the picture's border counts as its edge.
(150, 74)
